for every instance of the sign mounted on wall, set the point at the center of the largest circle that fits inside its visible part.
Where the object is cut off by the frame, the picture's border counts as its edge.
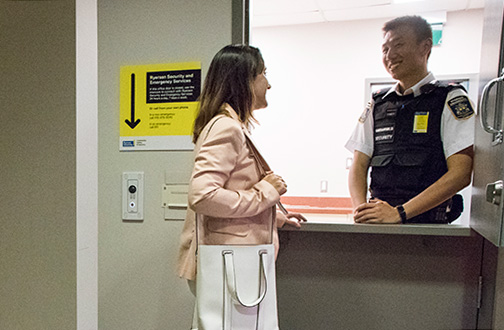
(158, 106)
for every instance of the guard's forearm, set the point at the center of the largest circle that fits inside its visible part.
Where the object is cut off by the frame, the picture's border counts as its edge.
(357, 179)
(358, 188)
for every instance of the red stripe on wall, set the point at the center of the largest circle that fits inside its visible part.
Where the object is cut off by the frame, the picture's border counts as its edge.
(325, 205)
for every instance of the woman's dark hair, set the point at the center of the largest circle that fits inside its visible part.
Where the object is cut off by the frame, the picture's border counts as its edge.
(229, 80)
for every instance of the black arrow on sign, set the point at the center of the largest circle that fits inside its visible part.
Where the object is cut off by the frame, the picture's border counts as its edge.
(133, 122)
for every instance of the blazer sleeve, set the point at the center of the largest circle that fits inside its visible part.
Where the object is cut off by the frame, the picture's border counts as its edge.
(218, 156)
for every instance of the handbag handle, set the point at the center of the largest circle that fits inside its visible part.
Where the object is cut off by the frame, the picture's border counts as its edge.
(231, 279)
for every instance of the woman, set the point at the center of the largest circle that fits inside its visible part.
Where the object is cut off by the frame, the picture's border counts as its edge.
(227, 189)
(226, 185)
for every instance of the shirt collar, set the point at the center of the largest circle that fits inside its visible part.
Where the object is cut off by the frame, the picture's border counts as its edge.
(415, 89)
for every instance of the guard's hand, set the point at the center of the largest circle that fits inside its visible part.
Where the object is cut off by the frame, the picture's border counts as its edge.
(277, 182)
(376, 212)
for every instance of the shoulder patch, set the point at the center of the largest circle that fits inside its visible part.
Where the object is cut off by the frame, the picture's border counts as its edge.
(365, 113)
(461, 107)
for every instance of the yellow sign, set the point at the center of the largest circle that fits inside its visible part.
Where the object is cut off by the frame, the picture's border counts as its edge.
(158, 105)
(421, 122)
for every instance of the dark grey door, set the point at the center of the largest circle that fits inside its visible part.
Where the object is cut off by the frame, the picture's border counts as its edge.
(487, 197)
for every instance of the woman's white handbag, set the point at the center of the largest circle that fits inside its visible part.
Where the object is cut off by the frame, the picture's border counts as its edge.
(236, 287)
(236, 283)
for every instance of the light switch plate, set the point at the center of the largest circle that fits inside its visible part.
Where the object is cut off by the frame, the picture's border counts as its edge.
(174, 200)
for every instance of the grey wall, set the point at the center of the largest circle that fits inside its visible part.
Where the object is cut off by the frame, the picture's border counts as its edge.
(138, 288)
(37, 162)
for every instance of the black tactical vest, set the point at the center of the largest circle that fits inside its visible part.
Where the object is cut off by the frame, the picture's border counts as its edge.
(408, 151)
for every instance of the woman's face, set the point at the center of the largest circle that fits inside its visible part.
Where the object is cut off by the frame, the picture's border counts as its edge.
(259, 88)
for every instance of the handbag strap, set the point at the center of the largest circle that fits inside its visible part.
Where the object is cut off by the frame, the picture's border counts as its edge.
(263, 166)
(261, 162)
(231, 279)
(210, 124)
(214, 119)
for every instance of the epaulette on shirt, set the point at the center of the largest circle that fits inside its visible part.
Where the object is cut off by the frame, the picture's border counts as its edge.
(380, 93)
(428, 88)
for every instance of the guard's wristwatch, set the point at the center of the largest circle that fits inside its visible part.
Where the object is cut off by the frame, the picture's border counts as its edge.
(402, 213)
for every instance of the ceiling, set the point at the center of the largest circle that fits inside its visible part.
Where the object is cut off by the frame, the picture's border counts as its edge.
(291, 12)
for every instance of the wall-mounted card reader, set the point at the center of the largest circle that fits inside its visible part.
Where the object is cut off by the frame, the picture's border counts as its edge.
(132, 195)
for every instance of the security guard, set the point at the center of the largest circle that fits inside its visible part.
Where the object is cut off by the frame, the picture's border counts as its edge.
(417, 137)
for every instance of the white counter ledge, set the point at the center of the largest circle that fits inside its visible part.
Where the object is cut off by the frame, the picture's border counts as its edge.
(343, 223)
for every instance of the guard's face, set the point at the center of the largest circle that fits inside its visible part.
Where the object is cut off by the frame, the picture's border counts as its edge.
(402, 55)
(259, 88)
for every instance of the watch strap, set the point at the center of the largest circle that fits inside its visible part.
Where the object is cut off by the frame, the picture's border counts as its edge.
(402, 213)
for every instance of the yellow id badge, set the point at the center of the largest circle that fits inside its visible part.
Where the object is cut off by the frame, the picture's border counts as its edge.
(421, 122)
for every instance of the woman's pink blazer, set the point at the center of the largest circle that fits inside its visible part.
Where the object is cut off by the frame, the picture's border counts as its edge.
(233, 205)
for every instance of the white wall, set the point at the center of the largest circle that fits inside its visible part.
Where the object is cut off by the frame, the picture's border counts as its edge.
(86, 21)
(317, 73)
